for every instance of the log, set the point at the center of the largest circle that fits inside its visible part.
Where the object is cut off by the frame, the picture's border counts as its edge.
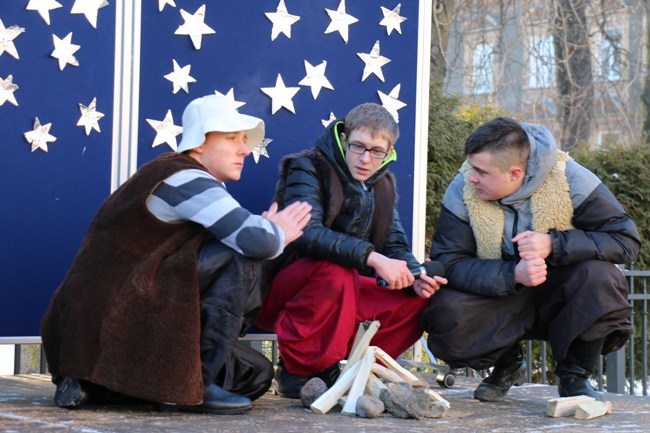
(593, 409)
(359, 384)
(327, 401)
(366, 331)
(386, 373)
(565, 406)
(389, 362)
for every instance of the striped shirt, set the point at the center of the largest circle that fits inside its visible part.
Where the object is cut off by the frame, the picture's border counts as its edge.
(195, 195)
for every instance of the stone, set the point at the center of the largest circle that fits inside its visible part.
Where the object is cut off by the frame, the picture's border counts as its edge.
(314, 388)
(369, 407)
(404, 401)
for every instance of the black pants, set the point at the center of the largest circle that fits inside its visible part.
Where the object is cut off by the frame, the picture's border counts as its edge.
(586, 300)
(230, 293)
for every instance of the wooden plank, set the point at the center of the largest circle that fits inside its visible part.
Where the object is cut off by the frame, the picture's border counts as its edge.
(565, 406)
(437, 397)
(386, 373)
(360, 381)
(593, 409)
(393, 365)
(361, 342)
(328, 400)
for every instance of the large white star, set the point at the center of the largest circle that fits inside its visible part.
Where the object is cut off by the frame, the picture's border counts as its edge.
(374, 61)
(194, 26)
(90, 9)
(7, 36)
(315, 78)
(180, 77)
(326, 122)
(340, 21)
(43, 7)
(392, 19)
(390, 101)
(162, 3)
(231, 96)
(260, 150)
(90, 116)
(64, 51)
(7, 89)
(281, 95)
(282, 21)
(39, 136)
(166, 131)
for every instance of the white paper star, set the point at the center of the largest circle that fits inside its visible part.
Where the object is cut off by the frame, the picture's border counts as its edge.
(392, 19)
(180, 77)
(90, 116)
(390, 101)
(64, 51)
(7, 35)
(374, 61)
(39, 136)
(231, 95)
(166, 131)
(326, 122)
(162, 3)
(260, 149)
(282, 21)
(43, 7)
(194, 26)
(315, 78)
(7, 89)
(90, 9)
(281, 95)
(340, 21)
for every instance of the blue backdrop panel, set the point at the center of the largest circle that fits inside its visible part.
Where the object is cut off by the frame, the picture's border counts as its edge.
(48, 198)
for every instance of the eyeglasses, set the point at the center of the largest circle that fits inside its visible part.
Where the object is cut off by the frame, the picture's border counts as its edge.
(360, 150)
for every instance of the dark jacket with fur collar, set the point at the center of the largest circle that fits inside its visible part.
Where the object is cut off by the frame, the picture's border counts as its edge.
(127, 314)
(350, 219)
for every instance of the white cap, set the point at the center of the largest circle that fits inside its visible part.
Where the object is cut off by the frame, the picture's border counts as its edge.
(217, 113)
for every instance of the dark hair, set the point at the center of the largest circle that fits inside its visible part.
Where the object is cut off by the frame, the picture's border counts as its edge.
(500, 135)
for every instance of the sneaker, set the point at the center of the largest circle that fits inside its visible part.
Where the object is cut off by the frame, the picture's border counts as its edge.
(509, 370)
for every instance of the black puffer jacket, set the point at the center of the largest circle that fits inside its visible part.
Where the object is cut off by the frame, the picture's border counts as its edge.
(349, 219)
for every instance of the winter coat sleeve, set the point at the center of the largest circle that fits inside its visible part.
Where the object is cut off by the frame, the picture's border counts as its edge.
(454, 246)
(396, 244)
(318, 241)
(603, 231)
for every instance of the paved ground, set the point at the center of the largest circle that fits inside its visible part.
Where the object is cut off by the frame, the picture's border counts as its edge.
(26, 407)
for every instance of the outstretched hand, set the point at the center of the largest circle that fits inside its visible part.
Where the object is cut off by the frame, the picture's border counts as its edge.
(292, 219)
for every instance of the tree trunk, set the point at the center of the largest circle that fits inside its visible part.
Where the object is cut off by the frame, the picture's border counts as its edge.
(574, 72)
(442, 17)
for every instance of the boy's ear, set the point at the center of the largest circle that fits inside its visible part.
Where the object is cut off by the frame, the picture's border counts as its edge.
(516, 172)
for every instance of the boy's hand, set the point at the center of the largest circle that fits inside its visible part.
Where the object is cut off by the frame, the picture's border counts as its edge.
(395, 272)
(292, 219)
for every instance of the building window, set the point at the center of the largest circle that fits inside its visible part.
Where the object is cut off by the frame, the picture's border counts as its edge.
(608, 138)
(541, 63)
(482, 68)
(609, 55)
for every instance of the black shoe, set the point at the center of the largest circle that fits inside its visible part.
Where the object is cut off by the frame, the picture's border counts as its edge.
(218, 401)
(573, 380)
(70, 393)
(509, 370)
(288, 385)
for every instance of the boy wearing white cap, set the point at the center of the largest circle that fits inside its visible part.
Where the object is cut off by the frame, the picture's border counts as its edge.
(167, 278)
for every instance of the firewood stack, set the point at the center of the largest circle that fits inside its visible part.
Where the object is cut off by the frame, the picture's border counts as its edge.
(372, 382)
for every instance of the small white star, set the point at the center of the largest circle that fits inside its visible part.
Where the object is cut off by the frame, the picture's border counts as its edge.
(281, 95)
(340, 21)
(194, 26)
(390, 101)
(162, 3)
(180, 77)
(166, 131)
(392, 19)
(374, 61)
(282, 21)
(260, 149)
(90, 116)
(231, 95)
(326, 122)
(43, 7)
(7, 36)
(90, 9)
(7, 89)
(39, 136)
(64, 51)
(315, 78)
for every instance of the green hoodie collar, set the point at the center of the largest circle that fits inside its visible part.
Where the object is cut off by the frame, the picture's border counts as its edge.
(392, 156)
